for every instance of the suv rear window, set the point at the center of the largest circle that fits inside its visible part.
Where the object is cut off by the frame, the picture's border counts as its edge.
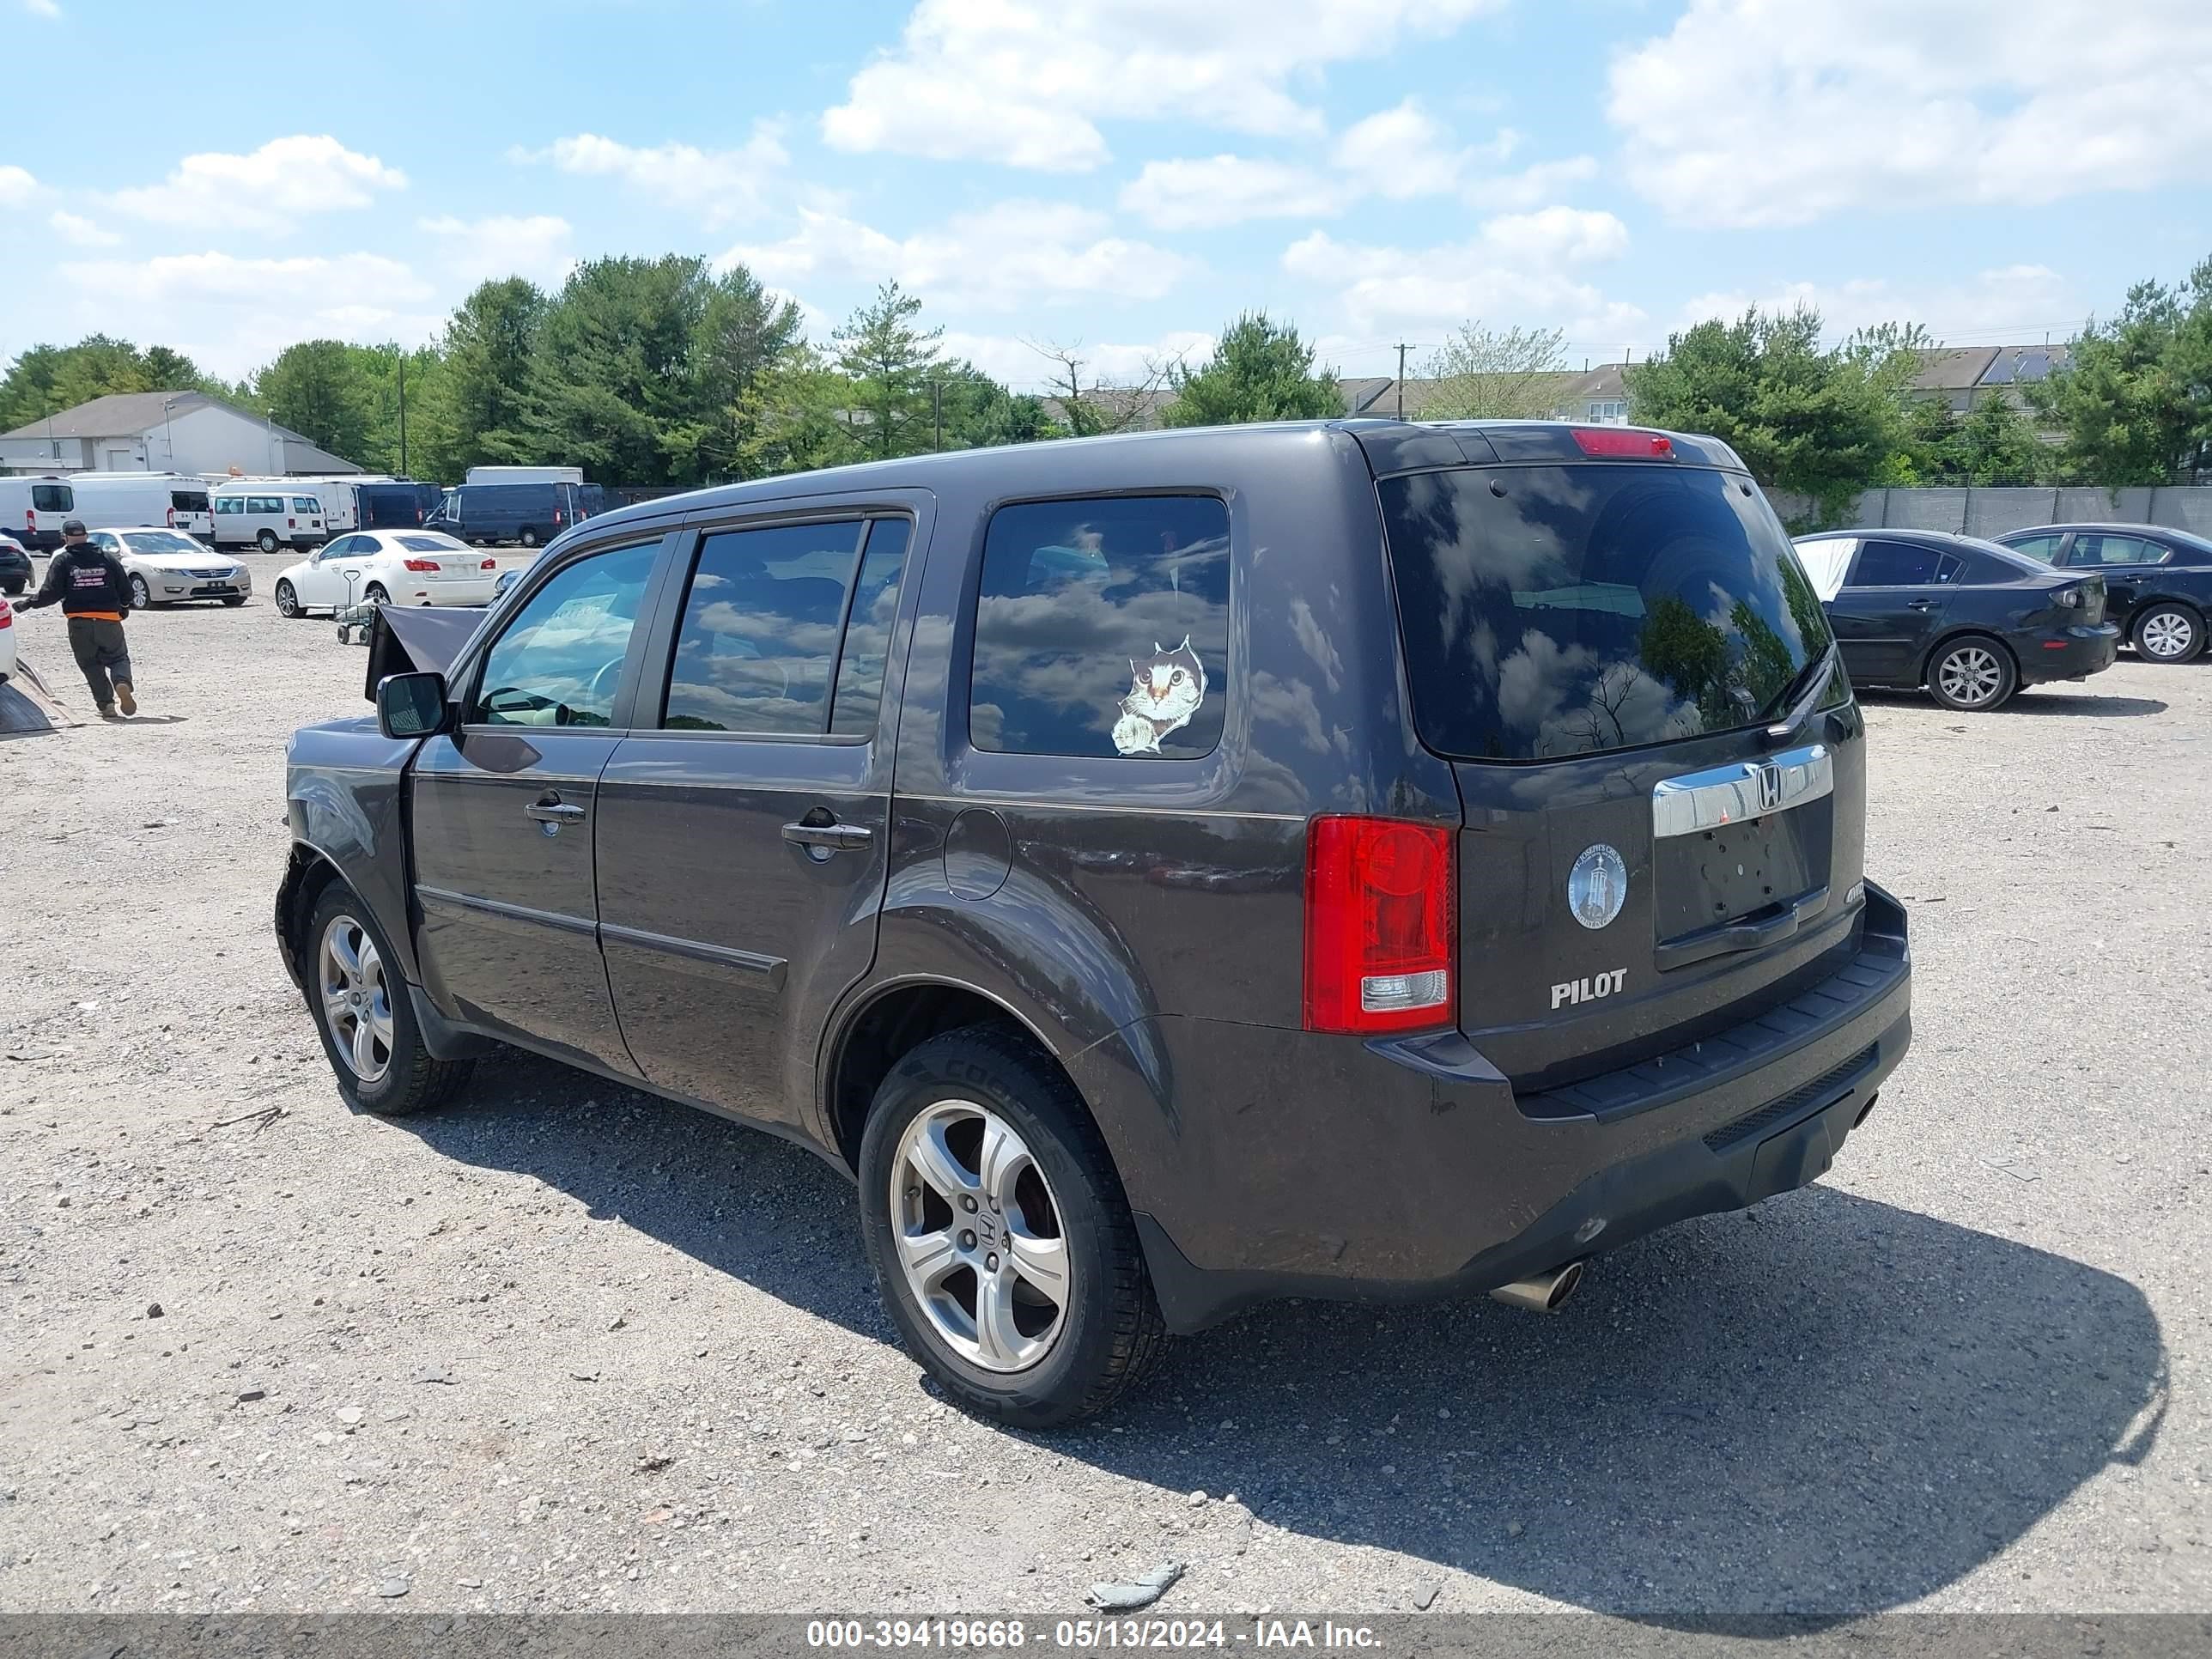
(1102, 628)
(1552, 610)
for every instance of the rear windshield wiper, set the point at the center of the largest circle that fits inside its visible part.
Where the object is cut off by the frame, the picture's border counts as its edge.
(1798, 696)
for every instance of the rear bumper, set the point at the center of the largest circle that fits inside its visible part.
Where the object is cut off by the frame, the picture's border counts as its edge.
(473, 591)
(2068, 654)
(1417, 1173)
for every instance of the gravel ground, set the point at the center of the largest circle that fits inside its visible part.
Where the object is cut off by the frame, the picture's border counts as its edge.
(565, 1346)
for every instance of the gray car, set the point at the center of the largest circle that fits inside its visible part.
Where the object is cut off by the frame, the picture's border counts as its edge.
(1356, 860)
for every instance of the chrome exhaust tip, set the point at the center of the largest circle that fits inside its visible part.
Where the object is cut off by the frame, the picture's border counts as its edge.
(1545, 1293)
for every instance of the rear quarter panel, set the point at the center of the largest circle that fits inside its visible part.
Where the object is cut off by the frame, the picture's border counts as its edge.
(343, 792)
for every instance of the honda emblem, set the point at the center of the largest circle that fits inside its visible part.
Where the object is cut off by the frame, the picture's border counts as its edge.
(1770, 787)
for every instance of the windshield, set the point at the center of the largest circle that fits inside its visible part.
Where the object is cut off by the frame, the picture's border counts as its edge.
(160, 541)
(1551, 610)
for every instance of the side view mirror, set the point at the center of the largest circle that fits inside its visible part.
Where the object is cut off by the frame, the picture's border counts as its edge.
(412, 705)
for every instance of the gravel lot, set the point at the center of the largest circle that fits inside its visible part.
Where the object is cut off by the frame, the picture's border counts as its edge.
(564, 1347)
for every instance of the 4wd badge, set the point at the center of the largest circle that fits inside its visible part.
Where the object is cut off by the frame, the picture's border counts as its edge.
(1597, 886)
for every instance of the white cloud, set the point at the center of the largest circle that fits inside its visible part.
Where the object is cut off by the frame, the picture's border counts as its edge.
(1517, 269)
(1227, 190)
(233, 314)
(1026, 83)
(1399, 154)
(1748, 113)
(42, 8)
(16, 186)
(483, 249)
(1002, 257)
(1994, 306)
(720, 185)
(266, 190)
(81, 232)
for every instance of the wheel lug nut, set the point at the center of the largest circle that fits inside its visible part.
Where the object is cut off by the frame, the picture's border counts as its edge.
(968, 1204)
(991, 1263)
(967, 1241)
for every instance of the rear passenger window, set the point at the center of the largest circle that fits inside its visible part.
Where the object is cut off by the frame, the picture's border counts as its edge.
(1102, 628)
(1894, 564)
(860, 696)
(759, 640)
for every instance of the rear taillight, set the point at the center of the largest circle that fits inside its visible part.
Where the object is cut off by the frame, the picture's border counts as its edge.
(173, 518)
(556, 516)
(418, 515)
(6, 615)
(1616, 440)
(489, 564)
(1379, 907)
(423, 566)
(30, 520)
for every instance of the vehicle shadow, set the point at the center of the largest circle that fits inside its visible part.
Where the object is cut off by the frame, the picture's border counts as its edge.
(1824, 1407)
(2033, 699)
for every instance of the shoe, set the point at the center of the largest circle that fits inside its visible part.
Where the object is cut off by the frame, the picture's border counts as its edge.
(108, 711)
(124, 699)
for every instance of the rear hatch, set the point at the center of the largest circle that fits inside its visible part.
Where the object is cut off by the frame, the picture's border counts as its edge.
(1602, 646)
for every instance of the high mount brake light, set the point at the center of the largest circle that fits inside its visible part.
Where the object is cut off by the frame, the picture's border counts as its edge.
(1623, 442)
(1379, 904)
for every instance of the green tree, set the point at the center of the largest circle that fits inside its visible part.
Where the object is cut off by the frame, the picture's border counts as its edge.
(320, 389)
(793, 417)
(1825, 423)
(479, 400)
(742, 332)
(1260, 370)
(1480, 374)
(48, 378)
(889, 361)
(2136, 401)
(979, 413)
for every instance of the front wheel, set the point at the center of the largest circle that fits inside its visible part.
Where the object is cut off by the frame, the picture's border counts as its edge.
(362, 1013)
(2169, 633)
(266, 541)
(287, 602)
(528, 538)
(141, 597)
(1973, 675)
(1000, 1239)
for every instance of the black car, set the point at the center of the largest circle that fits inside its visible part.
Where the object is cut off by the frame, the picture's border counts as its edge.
(2158, 582)
(1970, 620)
(1357, 860)
(15, 566)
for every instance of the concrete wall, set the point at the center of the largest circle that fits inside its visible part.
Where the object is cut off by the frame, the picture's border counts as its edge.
(1993, 512)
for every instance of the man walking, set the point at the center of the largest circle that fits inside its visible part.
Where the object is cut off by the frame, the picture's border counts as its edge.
(94, 591)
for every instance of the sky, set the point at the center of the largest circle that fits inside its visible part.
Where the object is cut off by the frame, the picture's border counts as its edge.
(1118, 177)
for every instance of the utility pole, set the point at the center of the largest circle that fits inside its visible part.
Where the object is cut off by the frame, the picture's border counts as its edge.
(402, 411)
(937, 413)
(1401, 380)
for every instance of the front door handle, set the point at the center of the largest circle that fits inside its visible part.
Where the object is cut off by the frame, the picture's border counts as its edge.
(829, 837)
(553, 810)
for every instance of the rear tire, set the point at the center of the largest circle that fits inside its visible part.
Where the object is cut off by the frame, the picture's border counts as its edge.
(376, 595)
(388, 1070)
(2168, 633)
(266, 541)
(287, 603)
(1065, 1200)
(529, 538)
(1973, 674)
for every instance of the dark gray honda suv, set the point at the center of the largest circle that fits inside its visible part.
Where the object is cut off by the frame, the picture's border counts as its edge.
(1357, 859)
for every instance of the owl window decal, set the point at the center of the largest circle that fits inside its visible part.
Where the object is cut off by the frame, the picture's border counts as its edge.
(1165, 690)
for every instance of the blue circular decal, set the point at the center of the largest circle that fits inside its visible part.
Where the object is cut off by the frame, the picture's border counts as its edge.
(1597, 886)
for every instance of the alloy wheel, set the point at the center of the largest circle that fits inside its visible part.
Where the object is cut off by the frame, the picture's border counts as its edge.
(356, 1001)
(979, 1237)
(1970, 676)
(2168, 635)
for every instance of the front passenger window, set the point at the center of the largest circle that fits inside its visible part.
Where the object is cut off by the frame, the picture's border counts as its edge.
(560, 660)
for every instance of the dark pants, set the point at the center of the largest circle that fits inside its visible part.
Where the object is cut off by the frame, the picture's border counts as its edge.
(102, 654)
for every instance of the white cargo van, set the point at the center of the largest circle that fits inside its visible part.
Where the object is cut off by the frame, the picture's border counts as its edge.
(32, 510)
(269, 513)
(341, 511)
(136, 501)
(489, 475)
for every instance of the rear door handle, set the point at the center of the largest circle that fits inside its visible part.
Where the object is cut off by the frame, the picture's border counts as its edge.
(553, 810)
(1920, 604)
(829, 837)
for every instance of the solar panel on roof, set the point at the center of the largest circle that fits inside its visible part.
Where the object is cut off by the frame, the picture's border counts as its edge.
(2034, 365)
(1999, 373)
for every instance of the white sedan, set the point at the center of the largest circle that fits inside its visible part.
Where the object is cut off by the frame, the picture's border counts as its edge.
(387, 566)
(168, 567)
